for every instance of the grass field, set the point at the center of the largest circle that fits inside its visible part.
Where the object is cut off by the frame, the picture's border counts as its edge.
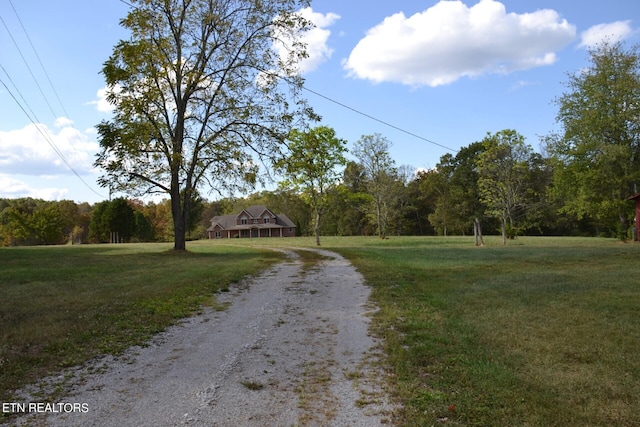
(60, 306)
(543, 332)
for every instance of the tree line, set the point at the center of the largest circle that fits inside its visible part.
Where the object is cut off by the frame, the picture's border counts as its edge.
(578, 184)
(29, 221)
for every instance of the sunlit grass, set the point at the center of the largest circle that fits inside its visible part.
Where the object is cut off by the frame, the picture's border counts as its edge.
(60, 306)
(540, 333)
(543, 332)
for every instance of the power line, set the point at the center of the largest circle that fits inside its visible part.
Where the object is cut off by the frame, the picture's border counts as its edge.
(34, 120)
(39, 60)
(128, 4)
(60, 154)
(15, 43)
(378, 120)
(30, 114)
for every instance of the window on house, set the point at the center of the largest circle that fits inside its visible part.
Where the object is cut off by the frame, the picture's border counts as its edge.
(243, 221)
(218, 235)
(267, 220)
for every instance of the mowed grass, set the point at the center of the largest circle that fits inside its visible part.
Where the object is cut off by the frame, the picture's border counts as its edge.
(60, 306)
(543, 332)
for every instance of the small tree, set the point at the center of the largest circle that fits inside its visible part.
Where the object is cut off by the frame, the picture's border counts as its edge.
(372, 151)
(503, 170)
(310, 167)
(143, 230)
(47, 224)
(114, 216)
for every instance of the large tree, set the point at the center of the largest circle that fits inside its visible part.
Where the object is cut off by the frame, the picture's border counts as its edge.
(351, 200)
(311, 167)
(598, 150)
(201, 96)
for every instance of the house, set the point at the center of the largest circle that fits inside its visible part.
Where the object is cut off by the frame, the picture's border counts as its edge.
(254, 221)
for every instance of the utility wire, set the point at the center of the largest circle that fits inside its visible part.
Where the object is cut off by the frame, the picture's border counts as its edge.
(31, 116)
(29, 68)
(39, 60)
(60, 154)
(25, 105)
(127, 3)
(34, 120)
(378, 120)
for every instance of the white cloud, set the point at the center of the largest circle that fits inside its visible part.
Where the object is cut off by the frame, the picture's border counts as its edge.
(451, 40)
(62, 122)
(316, 40)
(101, 103)
(29, 151)
(614, 31)
(11, 188)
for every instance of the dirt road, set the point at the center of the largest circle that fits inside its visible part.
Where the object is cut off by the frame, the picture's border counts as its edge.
(292, 349)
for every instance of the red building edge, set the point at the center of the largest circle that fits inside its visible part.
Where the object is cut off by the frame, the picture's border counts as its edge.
(636, 197)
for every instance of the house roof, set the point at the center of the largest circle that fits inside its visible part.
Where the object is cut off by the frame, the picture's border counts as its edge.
(256, 211)
(224, 221)
(230, 222)
(284, 220)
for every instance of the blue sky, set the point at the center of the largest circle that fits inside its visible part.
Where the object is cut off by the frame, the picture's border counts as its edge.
(446, 71)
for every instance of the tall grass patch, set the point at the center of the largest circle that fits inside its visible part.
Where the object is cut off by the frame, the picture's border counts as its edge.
(540, 333)
(60, 306)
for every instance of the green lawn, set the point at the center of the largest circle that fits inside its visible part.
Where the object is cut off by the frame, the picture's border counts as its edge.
(60, 306)
(543, 332)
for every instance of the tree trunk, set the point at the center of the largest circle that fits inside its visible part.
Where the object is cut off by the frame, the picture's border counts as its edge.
(477, 233)
(419, 223)
(624, 228)
(179, 221)
(317, 227)
(379, 214)
(179, 233)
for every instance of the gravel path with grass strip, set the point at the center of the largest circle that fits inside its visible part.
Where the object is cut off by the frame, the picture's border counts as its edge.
(291, 349)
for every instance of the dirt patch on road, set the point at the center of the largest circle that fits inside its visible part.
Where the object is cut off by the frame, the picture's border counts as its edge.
(291, 349)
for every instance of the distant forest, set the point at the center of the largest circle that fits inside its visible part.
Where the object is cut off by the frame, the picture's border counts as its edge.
(442, 201)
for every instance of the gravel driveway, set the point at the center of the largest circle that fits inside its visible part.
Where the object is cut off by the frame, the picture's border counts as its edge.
(292, 349)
